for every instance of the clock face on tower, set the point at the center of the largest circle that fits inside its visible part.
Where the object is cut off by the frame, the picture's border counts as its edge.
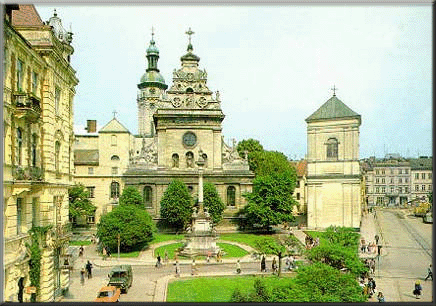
(189, 139)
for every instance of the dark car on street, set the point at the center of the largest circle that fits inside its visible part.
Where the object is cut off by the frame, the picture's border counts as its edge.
(121, 276)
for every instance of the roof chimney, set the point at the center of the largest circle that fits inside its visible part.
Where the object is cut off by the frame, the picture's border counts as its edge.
(91, 126)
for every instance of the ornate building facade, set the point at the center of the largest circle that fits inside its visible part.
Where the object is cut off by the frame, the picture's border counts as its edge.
(176, 126)
(39, 86)
(333, 171)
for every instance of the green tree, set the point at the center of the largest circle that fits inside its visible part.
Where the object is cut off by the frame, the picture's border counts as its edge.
(131, 196)
(176, 206)
(133, 224)
(248, 146)
(344, 236)
(213, 202)
(79, 203)
(270, 203)
(271, 162)
(430, 197)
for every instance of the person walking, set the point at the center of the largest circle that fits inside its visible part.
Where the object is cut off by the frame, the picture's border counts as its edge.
(89, 269)
(193, 267)
(376, 237)
(159, 261)
(274, 265)
(81, 251)
(429, 273)
(177, 269)
(238, 267)
(418, 289)
(82, 276)
(263, 264)
(380, 297)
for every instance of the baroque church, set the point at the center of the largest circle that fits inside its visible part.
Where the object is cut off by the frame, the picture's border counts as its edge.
(177, 124)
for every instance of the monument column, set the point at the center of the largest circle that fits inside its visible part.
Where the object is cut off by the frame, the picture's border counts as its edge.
(200, 164)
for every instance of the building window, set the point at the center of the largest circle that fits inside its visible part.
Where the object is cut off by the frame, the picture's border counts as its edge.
(115, 190)
(429, 176)
(406, 189)
(392, 189)
(57, 156)
(377, 180)
(416, 187)
(90, 219)
(148, 197)
(332, 148)
(57, 100)
(114, 140)
(20, 75)
(417, 176)
(406, 180)
(205, 159)
(377, 190)
(376, 172)
(406, 171)
(35, 212)
(91, 191)
(383, 180)
(423, 188)
(114, 170)
(392, 180)
(20, 146)
(400, 181)
(297, 184)
(231, 196)
(115, 158)
(400, 189)
(379, 201)
(33, 153)
(423, 176)
(383, 189)
(34, 82)
(19, 214)
(383, 171)
(90, 170)
(430, 187)
(298, 196)
(392, 171)
(175, 158)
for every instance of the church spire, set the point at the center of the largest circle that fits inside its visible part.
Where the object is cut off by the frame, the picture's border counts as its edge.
(190, 58)
(152, 54)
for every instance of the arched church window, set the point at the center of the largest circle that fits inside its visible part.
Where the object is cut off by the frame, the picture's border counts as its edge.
(231, 196)
(175, 158)
(115, 190)
(332, 148)
(19, 146)
(189, 160)
(148, 197)
(115, 158)
(189, 90)
(204, 155)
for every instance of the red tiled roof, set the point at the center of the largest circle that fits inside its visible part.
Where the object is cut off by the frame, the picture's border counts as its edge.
(26, 16)
(301, 168)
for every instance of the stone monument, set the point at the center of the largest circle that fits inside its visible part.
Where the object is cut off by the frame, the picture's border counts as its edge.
(201, 236)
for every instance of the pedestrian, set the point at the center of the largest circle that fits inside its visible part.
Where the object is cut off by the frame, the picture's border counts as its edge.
(371, 284)
(82, 276)
(81, 250)
(429, 272)
(238, 267)
(166, 256)
(380, 297)
(209, 254)
(177, 269)
(376, 237)
(108, 251)
(89, 269)
(158, 262)
(104, 253)
(418, 289)
(372, 265)
(193, 267)
(288, 262)
(274, 265)
(263, 264)
(362, 245)
(292, 260)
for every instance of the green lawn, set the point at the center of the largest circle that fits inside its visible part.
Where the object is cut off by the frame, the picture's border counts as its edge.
(248, 239)
(126, 255)
(79, 242)
(213, 289)
(158, 237)
(229, 249)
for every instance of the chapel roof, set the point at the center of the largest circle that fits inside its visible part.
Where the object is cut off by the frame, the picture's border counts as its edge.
(332, 109)
(114, 126)
(26, 15)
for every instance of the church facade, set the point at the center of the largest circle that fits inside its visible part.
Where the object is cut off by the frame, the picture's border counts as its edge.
(333, 170)
(177, 125)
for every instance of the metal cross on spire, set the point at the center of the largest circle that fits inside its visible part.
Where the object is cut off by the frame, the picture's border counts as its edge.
(115, 113)
(189, 32)
(334, 90)
(152, 33)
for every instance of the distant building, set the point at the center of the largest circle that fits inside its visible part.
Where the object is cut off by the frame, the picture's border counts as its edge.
(39, 86)
(397, 181)
(333, 171)
(300, 192)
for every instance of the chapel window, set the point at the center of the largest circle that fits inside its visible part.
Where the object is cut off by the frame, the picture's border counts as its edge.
(175, 159)
(231, 196)
(148, 197)
(115, 158)
(115, 190)
(189, 160)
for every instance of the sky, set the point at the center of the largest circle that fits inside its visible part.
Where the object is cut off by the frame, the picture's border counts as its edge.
(274, 65)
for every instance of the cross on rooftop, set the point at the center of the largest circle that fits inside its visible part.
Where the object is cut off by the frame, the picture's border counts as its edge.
(334, 90)
(152, 33)
(115, 113)
(189, 32)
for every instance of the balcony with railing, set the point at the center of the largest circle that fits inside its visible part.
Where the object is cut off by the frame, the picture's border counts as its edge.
(20, 173)
(27, 105)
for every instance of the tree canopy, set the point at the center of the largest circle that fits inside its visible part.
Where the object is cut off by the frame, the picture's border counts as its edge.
(248, 146)
(133, 224)
(79, 203)
(131, 196)
(213, 202)
(176, 206)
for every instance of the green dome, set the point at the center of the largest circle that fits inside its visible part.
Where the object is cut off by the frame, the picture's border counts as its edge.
(152, 49)
(152, 78)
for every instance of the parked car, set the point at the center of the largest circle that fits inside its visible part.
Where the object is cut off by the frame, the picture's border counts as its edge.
(108, 294)
(121, 277)
(428, 218)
